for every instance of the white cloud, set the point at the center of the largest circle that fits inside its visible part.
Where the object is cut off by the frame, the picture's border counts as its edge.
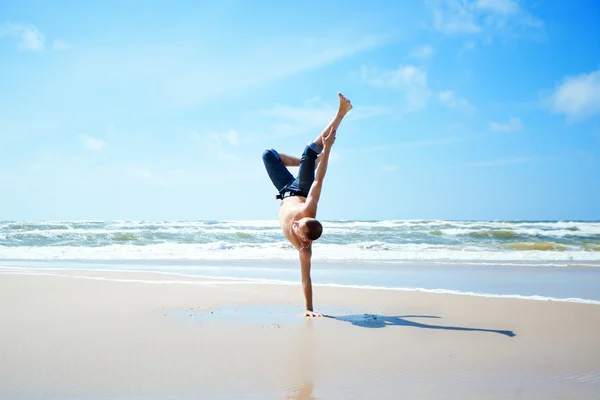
(513, 125)
(498, 162)
(7, 177)
(468, 46)
(144, 174)
(408, 78)
(48, 161)
(412, 81)
(29, 37)
(431, 142)
(292, 121)
(404, 76)
(456, 18)
(313, 100)
(413, 144)
(489, 17)
(218, 143)
(361, 112)
(334, 156)
(195, 136)
(163, 76)
(190, 74)
(577, 97)
(93, 144)
(61, 45)
(140, 173)
(389, 168)
(424, 52)
(450, 99)
(232, 137)
(312, 116)
(505, 7)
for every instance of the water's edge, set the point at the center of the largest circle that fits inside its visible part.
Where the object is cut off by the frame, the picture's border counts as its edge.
(544, 283)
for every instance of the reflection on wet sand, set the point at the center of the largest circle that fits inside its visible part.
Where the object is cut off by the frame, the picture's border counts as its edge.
(303, 384)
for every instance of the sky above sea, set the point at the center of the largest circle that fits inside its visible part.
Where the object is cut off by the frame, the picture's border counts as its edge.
(142, 110)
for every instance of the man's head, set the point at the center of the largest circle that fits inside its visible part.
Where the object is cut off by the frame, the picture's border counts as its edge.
(307, 229)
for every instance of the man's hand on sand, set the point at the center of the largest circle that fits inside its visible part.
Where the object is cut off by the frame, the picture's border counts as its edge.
(312, 314)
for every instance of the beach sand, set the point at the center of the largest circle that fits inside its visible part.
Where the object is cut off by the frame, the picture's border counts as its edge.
(105, 335)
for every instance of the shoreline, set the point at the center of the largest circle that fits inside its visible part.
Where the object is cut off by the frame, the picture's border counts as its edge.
(86, 338)
(292, 260)
(209, 280)
(560, 284)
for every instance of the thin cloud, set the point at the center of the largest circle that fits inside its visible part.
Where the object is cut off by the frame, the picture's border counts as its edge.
(497, 163)
(334, 156)
(414, 144)
(218, 143)
(455, 18)
(412, 82)
(577, 97)
(450, 99)
(405, 76)
(140, 173)
(490, 17)
(389, 168)
(361, 112)
(93, 144)
(292, 120)
(431, 142)
(513, 125)
(504, 7)
(7, 177)
(468, 46)
(423, 53)
(312, 116)
(309, 115)
(193, 72)
(145, 175)
(232, 137)
(61, 45)
(29, 38)
(409, 79)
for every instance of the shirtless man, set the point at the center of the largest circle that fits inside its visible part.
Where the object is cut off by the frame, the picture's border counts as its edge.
(300, 195)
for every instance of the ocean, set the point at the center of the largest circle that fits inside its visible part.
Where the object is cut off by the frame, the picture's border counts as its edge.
(549, 242)
(534, 259)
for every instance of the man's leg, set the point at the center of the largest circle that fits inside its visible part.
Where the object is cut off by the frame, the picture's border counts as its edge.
(343, 109)
(309, 160)
(289, 161)
(279, 174)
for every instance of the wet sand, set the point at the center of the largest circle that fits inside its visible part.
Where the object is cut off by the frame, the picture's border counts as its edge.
(104, 335)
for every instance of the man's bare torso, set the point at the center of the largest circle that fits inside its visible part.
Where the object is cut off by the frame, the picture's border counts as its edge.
(292, 209)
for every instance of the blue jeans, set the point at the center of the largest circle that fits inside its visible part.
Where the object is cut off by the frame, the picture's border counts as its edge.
(283, 180)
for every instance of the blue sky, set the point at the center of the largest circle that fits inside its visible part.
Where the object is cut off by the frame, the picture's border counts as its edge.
(479, 109)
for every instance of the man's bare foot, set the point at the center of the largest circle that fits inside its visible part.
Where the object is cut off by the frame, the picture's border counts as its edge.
(345, 104)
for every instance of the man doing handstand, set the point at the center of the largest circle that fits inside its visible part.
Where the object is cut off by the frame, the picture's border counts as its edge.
(300, 195)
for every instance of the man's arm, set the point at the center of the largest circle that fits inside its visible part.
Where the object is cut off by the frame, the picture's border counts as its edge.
(305, 256)
(315, 190)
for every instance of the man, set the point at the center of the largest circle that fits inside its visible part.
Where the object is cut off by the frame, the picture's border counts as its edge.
(300, 195)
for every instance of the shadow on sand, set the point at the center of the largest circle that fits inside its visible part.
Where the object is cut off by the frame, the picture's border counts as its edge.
(381, 321)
